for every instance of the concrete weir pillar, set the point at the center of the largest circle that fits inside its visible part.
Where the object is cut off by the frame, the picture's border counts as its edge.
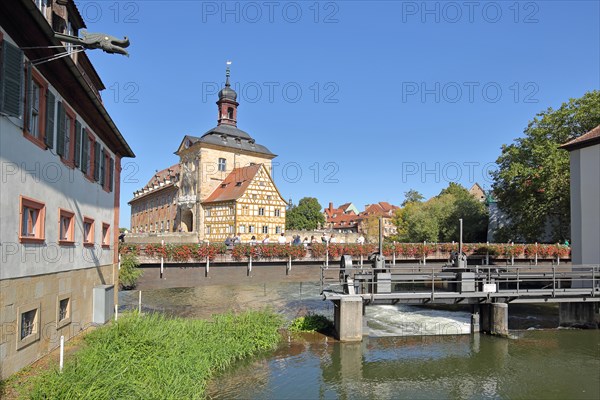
(579, 315)
(494, 318)
(348, 318)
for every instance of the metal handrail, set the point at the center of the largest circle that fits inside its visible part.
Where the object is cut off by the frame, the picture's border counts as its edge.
(507, 275)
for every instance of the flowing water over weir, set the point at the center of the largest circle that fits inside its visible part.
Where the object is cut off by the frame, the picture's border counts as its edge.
(411, 351)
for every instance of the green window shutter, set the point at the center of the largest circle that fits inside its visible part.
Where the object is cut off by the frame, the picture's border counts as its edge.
(85, 153)
(11, 80)
(102, 168)
(97, 150)
(28, 96)
(60, 131)
(50, 106)
(111, 174)
(77, 159)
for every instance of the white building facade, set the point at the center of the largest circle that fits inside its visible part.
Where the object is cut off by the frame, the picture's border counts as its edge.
(60, 156)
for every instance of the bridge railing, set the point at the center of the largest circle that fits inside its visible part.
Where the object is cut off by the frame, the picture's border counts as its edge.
(517, 280)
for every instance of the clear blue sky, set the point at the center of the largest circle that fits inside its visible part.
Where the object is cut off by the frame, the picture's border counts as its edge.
(394, 94)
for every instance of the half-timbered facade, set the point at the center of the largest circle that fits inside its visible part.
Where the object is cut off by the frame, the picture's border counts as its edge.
(247, 203)
(203, 191)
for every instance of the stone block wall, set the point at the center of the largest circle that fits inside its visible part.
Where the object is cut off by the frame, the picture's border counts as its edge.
(43, 293)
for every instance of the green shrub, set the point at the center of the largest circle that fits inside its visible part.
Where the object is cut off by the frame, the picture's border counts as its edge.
(129, 272)
(311, 323)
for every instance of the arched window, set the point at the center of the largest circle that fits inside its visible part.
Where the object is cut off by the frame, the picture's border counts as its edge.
(230, 112)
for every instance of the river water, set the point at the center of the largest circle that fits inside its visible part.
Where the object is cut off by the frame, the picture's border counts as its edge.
(411, 352)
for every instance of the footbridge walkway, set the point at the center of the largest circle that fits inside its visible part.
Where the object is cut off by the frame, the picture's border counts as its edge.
(488, 289)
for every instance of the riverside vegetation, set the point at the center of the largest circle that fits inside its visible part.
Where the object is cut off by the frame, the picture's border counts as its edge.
(156, 357)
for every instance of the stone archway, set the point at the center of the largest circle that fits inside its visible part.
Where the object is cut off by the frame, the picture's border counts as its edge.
(187, 221)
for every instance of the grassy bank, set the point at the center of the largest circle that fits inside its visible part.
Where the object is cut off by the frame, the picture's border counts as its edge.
(154, 357)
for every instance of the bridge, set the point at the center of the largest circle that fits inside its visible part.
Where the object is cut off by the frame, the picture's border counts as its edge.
(488, 289)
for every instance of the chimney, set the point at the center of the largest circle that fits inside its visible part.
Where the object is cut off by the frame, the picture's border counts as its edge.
(331, 205)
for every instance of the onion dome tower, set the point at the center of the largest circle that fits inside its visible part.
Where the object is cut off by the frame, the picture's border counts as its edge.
(227, 103)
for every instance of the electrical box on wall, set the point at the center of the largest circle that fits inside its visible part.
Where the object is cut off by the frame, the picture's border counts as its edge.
(104, 303)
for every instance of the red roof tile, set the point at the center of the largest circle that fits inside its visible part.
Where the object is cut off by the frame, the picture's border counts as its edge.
(234, 186)
(161, 175)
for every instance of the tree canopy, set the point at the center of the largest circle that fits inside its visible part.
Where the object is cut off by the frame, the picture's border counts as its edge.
(436, 220)
(307, 215)
(532, 181)
(412, 196)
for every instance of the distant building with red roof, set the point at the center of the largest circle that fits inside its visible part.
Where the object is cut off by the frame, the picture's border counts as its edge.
(344, 219)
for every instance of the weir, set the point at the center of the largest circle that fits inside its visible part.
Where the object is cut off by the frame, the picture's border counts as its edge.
(489, 289)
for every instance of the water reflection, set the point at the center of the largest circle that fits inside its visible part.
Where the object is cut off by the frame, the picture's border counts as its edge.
(548, 364)
(539, 364)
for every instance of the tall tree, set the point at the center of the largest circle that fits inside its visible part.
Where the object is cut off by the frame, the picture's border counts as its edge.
(307, 215)
(412, 196)
(436, 220)
(532, 181)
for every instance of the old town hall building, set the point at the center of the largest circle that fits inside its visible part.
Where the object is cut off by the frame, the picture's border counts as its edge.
(221, 187)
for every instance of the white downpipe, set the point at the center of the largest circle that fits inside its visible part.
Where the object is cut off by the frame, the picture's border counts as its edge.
(62, 353)
(162, 260)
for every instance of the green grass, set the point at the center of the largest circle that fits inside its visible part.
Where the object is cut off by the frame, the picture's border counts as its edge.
(156, 357)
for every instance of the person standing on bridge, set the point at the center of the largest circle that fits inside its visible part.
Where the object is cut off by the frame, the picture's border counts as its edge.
(266, 240)
(281, 239)
(360, 240)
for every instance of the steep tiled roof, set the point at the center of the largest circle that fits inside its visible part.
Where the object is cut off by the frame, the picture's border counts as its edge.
(161, 175)
(380, 209)
(234, 185)
(159, 179)
(345, 206)
(230, 136)
(589, 139)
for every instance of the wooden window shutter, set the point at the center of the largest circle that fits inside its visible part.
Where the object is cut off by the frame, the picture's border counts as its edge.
(85, 153)
(11, 80)
(97, 157)
(111, 174)
(60, 131)
(28, 96)
(77, 159)
(50, 104)
(102, 168)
